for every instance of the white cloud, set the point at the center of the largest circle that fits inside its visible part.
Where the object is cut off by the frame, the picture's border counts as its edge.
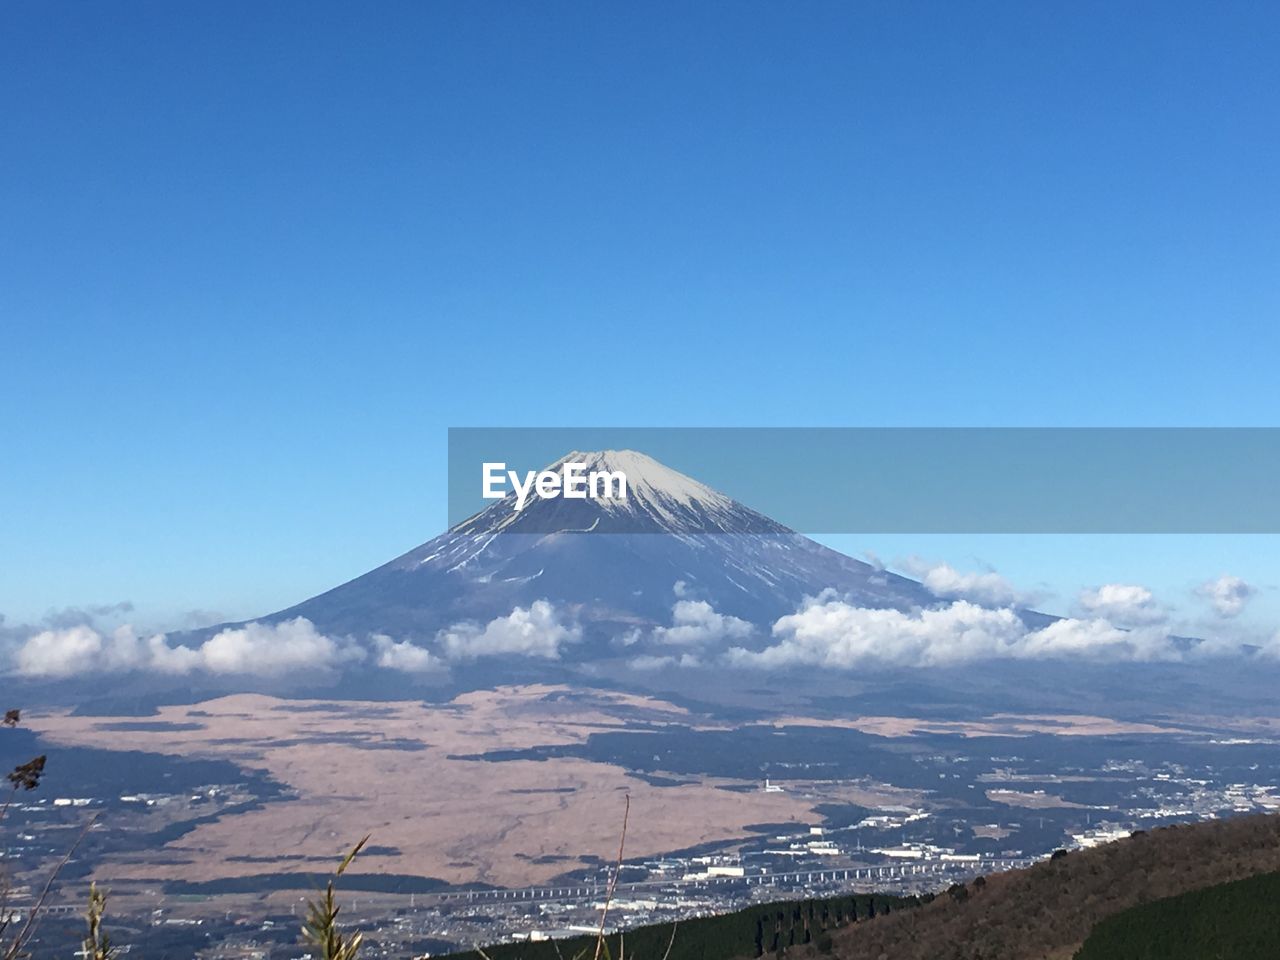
(828, 632)
(69, 651)
(661, 663)
(1124, 603)
(1097, 639)
(695, 623)
(59, 653)
(948, 583)
(536, 631)
(272, 649)
(255, 649)
(292, 647)
(405, 656)
(630, 638)
(1227, 595)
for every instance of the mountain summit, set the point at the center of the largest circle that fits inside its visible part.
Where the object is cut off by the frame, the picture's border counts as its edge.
(658, 500)
(614, 565)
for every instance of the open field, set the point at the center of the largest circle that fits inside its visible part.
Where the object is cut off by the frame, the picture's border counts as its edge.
(418, 776)
(393, 770)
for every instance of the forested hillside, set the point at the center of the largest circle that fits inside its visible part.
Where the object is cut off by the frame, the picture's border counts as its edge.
(1239, 920)
(1046, 911)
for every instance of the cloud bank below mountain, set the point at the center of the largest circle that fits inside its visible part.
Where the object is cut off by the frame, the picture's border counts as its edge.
(1120, 623)
(293, 648)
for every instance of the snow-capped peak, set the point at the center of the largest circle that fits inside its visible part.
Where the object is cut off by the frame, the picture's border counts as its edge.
(658, 500)
(647, 479)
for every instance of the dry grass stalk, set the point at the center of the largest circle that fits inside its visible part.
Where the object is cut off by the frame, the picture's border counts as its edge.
(321, 928)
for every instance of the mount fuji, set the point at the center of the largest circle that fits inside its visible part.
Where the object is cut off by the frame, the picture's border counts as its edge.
(677, 588)
(612, 565)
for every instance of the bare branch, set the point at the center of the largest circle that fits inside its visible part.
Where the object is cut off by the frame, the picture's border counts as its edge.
(613, 880)
(672, 942)
(14, 950)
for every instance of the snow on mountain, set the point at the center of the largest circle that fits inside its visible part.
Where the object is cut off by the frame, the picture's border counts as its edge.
(659, 500)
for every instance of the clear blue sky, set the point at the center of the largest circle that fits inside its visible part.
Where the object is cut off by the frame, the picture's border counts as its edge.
(256, 258)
